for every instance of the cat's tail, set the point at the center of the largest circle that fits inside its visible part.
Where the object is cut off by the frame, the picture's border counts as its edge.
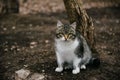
(94, 62)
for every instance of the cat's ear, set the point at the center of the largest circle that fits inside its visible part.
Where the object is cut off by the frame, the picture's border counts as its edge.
(74, 24)
(59, 23)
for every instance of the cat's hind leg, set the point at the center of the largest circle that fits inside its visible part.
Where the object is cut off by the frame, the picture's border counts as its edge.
(83, 66)
(84, 63)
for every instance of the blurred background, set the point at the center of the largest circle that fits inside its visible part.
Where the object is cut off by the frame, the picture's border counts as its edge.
(27, 30)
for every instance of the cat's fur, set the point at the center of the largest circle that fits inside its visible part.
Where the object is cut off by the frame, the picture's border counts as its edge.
(71, 47)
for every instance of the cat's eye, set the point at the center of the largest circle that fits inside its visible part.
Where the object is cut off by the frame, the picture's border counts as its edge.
(71, 36)
(58, 35)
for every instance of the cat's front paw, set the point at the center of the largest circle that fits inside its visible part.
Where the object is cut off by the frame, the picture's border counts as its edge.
(76, 71)
(59, 69)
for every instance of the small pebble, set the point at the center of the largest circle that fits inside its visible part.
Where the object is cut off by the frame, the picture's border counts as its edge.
(46, 41)
(43, 71)
(4, 29)
(13, 27)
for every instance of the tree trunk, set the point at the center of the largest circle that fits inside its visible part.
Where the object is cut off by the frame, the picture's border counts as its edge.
(9, 6)
(84, 22)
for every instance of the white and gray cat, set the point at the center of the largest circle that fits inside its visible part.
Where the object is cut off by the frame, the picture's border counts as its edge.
(71, 48)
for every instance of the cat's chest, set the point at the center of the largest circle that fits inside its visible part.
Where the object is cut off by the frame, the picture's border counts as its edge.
(66, 48)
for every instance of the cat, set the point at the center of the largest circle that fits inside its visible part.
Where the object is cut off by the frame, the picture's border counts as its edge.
(71, 47)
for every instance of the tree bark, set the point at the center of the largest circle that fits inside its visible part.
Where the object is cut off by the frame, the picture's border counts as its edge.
(84, 22)
(9, 6)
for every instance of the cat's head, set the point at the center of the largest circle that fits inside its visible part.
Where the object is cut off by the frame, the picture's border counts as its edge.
(66, 32)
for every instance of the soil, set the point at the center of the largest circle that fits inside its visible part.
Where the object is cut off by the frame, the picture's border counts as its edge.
(27, 41)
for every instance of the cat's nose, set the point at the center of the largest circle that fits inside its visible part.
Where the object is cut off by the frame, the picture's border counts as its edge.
(65, 36)
(66, 39)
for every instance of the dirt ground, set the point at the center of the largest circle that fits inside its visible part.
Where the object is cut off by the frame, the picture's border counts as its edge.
(27, 40)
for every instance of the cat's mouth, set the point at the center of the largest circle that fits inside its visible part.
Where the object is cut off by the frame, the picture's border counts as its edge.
(67, 40)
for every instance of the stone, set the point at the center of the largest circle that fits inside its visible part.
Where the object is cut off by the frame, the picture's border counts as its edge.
(22, 74)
